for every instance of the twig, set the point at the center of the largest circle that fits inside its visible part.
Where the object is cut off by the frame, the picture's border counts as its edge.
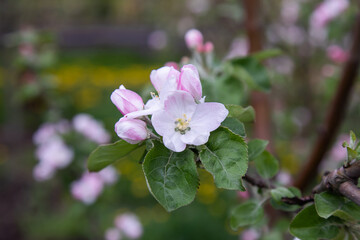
(342, 180)
(298, 200)
(258, 182)
(335, 113)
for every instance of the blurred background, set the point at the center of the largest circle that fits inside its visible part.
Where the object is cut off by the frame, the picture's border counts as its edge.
(59, 59)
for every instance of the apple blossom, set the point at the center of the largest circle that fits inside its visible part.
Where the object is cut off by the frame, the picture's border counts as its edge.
(190, 81)
(90, 128)
(126, 101)
(326, 11)
(130, 225)
(112, 234)
(182, 121)
(55, 153)
(162, 75)
(337, 54)
(43, 172)
(131, 130)
(87, 188)
(109, 175)
(193, 38)
(172, 64)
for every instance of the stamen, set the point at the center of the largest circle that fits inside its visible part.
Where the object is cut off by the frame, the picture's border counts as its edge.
(182, 124)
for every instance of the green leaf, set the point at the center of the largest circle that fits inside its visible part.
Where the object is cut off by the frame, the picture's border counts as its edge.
(351, 153)
(266, 165)
(352, 139)
(105, 155)
(225, 157)
(171, 177)
(256, 147)
(308, 225)
(229, 89)
(248, 213)
(245, 115)
(330, 204)
(235, 126)
(276, 201)
(259, 76)
(268, 53)
(327, 203)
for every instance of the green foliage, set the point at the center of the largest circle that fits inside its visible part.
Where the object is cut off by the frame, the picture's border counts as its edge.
(235, 126)
(250, 70)
(266, 165)
(225, 156)
(277, 194)
(256, 147)
(268, 53)
(248, 213)
(245, 115)
(310, 226)
(172, 177)
(330, 204)
(105, 155)
(229, 89)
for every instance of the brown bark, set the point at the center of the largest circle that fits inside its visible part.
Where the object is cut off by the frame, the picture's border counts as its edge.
(335, 113)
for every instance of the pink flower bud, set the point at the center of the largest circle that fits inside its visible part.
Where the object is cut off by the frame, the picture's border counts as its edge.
(126, 101)
(208, 47)
(243, 195)
(337, 54)
(162, 75)
(193, 38)
(130, 225)
(190, 81)
(172, 64)
(131, 130)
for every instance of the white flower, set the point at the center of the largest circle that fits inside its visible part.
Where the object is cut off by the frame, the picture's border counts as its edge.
(182, 121)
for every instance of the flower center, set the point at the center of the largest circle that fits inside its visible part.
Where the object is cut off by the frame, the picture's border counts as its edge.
(182, 125)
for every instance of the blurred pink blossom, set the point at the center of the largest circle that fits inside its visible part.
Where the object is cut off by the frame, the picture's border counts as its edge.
(243, 195)
(189, 81)
(338, 153)
(129, 224)
(109, 175)
(327, 11)
(284, 178)
(193, 39)
(250, 234)
(290, 11)
(158, 40)
(113, 234)
(54, 153)
(239, 48)
(337, 54)
(44, 133)
(90, 128)
(87, 188)
(43, 172)
(172, 64)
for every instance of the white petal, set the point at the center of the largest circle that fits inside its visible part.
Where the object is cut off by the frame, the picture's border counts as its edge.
(195, 138)
(179, 103)
(173, 142)
(163, 123)
(208, 117)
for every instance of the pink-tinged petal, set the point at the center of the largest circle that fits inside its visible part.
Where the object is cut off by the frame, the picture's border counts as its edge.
(190, 81)
(163, 123)
(126, 100)
(162, 75)
(179, 103)
(131, 130)
(208, 116)
(173, 142)
(194, 137)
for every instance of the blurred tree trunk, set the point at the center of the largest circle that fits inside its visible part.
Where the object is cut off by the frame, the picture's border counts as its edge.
(259, 100)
